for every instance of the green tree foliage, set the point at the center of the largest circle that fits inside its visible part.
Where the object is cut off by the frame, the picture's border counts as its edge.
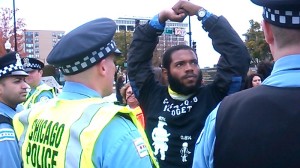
(7, 31)
(256, 44)
(123, 40)
(123, 43)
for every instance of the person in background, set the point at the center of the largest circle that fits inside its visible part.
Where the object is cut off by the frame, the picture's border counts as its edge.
(160, 75)
(12, 92)
(39, 91)
(259, 127)
(119, 85)
(175, 114)
(86, 131)
(253, 80)
(131, 102)
(51, 71)
(265, 68)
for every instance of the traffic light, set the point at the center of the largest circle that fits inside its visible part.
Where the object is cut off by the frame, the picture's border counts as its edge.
(194, 45)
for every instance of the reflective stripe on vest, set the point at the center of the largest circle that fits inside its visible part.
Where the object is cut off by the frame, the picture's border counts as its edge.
(78, 127)
(32, 99)
(139, 126)
(139, 115)
(47, 138)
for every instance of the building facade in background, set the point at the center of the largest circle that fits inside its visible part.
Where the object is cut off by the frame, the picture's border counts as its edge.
(39, 43)
(174, 34)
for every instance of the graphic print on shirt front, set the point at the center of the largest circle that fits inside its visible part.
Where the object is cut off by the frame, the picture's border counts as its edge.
(160, 138)
(184, 151)
(179, 109)
(160, 135)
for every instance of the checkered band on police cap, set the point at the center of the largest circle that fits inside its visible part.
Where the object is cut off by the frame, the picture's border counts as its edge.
(32, 63)
(90, 59)
(11, 63)
(282, 18)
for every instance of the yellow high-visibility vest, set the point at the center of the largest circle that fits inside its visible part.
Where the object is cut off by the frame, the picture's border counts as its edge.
(139, 115)
(32, 98)
(52, 132)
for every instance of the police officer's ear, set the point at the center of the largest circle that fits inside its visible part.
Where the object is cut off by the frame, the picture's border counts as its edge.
(1, 89)
(2, 83)
(41, 72)
(267, 32)
(106, 65)
(101, 67)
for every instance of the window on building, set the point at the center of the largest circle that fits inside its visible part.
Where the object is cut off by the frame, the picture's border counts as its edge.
(130, 28)
(29, 51)
(28, 40)
(29, 34)
(60, 35)
(122, 27)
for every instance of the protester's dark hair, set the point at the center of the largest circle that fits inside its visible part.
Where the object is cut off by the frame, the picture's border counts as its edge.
(265, 68)
(166, 59)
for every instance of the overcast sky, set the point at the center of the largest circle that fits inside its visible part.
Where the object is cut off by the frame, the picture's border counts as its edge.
(68, 14)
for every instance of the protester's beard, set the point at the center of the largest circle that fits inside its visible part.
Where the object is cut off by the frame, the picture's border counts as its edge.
(178, 87)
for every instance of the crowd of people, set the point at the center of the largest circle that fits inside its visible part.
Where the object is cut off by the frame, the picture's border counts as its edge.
(165, 117)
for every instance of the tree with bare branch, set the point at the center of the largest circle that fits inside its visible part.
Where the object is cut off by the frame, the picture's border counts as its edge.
(7, 32)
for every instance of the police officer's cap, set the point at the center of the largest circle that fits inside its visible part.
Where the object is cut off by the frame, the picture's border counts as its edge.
(84, 46)
(11, 65)
(31, 64)
(282, 13)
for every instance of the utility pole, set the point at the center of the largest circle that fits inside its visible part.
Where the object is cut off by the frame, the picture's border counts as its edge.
(15, 27)
(126, 48)
(190, 32)
(125, 43)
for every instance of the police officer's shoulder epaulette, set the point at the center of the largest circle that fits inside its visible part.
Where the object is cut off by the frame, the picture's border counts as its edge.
(7, 134)
(6, 120)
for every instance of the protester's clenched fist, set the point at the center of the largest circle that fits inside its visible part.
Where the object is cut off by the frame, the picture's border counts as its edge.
(183, 6)
(169, 14)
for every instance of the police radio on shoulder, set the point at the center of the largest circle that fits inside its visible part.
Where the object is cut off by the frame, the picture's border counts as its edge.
(201, 13)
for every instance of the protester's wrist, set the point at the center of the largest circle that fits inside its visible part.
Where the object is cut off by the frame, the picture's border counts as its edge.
(208, 14)
(210, 22)
(154, 22)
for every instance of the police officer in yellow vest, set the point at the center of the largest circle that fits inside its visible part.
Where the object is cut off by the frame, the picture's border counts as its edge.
(39, 91)
(79, 128)
(12, 92)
